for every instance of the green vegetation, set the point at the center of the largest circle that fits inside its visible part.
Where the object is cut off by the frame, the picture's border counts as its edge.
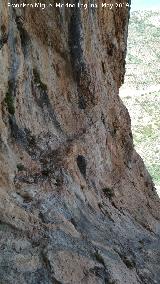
(141, 90)
(134, 59)
(20, 167)
(108, 192)
(143, 50)
(10, 103)
(9, 98)
(37, 80)
(145, 112)
(129, 262)
(145, 132)
(154, 170)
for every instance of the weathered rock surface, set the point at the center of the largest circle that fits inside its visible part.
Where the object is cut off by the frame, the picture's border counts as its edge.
(77, 204)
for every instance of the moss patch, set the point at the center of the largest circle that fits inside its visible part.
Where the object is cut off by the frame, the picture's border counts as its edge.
(108, 192)
(38, 82)
(10, 103)
(20, 167)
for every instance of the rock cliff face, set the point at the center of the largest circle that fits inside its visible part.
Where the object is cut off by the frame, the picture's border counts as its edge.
(76, 202)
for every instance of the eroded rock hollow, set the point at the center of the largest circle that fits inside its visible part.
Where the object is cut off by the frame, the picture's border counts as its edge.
(77, 204)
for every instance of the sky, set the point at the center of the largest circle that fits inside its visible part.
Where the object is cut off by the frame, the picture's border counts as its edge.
(145, 4)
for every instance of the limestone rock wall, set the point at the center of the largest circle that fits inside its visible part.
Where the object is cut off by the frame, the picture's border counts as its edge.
(77, 204)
